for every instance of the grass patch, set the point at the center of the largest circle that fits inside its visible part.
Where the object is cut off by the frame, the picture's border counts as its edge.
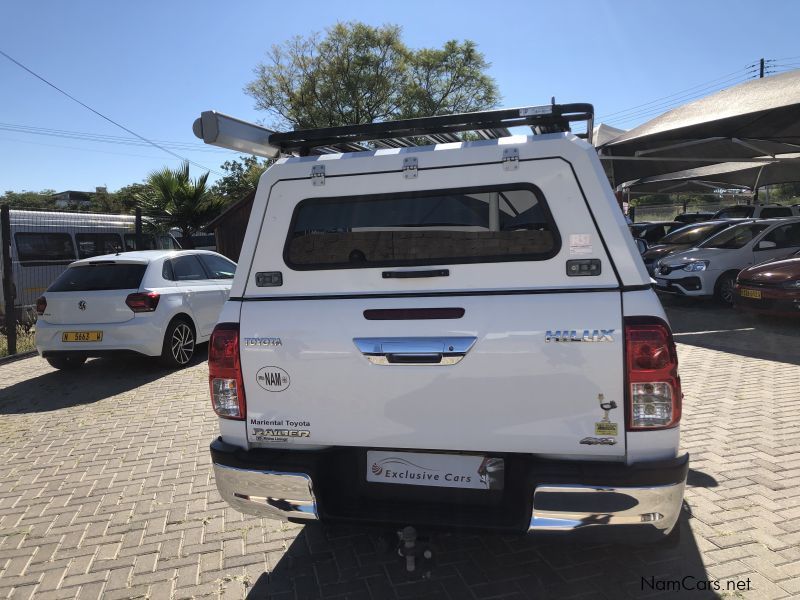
(25, 341)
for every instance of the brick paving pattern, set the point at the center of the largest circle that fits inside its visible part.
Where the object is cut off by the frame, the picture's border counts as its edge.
(106, 492)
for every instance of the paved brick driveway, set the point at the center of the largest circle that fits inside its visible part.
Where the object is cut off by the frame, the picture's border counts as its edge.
(105, 491)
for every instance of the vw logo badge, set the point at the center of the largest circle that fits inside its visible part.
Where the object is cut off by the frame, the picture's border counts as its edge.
(82, 304)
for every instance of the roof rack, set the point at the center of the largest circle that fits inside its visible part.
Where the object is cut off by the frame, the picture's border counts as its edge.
(221, 130)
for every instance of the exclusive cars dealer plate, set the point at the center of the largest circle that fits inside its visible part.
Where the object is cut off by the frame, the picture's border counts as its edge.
(82, 336)
(466, 471)
(747, 293)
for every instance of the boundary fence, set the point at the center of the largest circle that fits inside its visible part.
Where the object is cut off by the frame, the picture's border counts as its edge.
(660, 211)
(37, 245)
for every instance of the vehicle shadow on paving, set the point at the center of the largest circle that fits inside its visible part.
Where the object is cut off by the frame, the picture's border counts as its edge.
(96, 380)
(323, 562)
(708, 324)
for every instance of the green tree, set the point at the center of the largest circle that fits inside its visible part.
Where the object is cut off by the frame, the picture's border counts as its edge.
(26, 199)
(449, 80)
(173, 199)
(240, 179)
(357, 73)
(126, 197)
(107, 202)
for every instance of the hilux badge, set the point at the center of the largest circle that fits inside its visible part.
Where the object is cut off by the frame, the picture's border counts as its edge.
(577, 335)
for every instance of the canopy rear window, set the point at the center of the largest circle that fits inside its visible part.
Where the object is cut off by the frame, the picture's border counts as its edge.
(488, 224)
(99, 276)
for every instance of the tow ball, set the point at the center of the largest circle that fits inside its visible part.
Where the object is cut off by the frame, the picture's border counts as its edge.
(416, 551)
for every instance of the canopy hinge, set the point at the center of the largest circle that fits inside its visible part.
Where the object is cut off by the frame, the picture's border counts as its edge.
(510, 159)
(318, 174)
(410, 167)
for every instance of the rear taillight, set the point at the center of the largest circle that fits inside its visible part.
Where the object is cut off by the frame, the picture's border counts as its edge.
(653, 384)
(41, 305)
(225, 372)
(142, 301)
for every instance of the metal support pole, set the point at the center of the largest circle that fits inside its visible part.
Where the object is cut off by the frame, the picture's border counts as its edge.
(10, 315)
(494, 211)
(755, 186)
(139, 229)
(761, 69)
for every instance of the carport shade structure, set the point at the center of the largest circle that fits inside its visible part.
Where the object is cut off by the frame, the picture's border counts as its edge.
(759, 118)
(742, 175)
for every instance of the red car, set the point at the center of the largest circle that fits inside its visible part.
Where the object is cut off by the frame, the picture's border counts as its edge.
(772, 287)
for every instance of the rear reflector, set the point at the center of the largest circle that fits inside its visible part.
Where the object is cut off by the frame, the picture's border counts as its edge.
(41, 305)
(653, 384)
(225, 372)
(142, 301)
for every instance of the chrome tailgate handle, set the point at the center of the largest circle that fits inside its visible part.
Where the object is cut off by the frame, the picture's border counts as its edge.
(414, 350)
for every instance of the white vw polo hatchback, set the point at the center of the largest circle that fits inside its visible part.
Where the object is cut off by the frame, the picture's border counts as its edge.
(155, 302)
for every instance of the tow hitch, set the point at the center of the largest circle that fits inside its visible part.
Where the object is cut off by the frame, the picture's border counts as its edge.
(416, 551)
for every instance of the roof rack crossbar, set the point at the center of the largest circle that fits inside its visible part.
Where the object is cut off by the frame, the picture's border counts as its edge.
(227, 132)
(548, 118)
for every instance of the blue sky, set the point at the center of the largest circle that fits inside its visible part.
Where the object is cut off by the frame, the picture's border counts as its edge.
(155, 65)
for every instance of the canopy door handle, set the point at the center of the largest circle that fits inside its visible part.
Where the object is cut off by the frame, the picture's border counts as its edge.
(414, 351)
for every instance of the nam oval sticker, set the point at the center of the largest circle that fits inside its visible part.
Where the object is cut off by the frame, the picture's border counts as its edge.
(272, 379)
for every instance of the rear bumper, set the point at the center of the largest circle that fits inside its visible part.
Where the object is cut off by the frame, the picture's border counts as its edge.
(141, 335)
(637, 503)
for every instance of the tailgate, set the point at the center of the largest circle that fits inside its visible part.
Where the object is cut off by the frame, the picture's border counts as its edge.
(514, 251)
(513, 390)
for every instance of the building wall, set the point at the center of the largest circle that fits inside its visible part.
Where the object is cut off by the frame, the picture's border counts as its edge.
(230, 228)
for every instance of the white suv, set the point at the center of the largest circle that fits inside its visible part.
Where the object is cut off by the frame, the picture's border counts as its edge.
(712, 267)
(459, 334)
(756, 211)
(154, 302)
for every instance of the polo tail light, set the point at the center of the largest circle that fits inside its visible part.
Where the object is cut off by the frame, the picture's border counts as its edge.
(41, 305)
(142, 301)
(225, 372)
(653, 385)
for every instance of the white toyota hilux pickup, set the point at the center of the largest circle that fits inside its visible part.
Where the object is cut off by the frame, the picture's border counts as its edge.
(424, 331)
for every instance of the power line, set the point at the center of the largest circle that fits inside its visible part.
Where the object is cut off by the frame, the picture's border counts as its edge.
(677, 101)
(678, 98)
(661, 109)
(99, 137)
(738, 72)
(101, 115)
(16, 141)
